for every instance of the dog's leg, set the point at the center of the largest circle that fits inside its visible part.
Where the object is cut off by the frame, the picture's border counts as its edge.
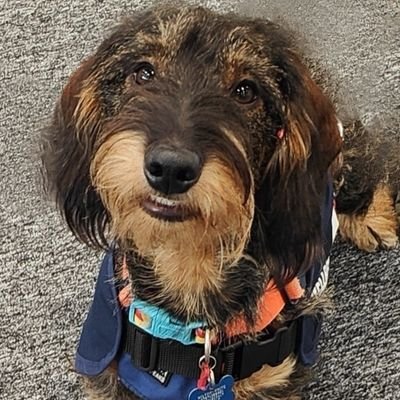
(283, 382)
(106, 387)
(377, 228)
(369, 183)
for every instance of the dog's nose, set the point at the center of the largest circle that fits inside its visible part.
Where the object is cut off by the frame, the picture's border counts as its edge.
(172, 170)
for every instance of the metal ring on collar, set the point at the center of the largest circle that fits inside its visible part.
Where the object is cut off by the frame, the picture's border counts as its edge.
(211, 358)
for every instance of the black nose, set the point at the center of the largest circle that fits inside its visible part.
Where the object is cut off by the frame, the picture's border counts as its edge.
(171, 170)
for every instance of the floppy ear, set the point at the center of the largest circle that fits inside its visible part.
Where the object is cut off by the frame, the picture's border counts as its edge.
(290, 202)
(66, 153)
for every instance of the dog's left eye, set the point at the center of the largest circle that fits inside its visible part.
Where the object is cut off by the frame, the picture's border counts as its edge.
(144, 74)
(245, 92)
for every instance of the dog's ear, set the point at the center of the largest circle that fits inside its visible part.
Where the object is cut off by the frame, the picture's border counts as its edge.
(67, 149)
(291, 198)
(311, 132)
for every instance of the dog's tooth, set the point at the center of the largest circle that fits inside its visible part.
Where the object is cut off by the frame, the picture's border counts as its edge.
(163, 201)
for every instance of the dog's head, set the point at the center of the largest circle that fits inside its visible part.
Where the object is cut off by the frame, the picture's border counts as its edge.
(196, 140)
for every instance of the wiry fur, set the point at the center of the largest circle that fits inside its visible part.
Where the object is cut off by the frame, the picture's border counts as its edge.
(370, 182)
(106, 386)
(255, 212)
(377, 226)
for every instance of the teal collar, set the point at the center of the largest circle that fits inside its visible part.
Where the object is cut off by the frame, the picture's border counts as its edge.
(162, 325)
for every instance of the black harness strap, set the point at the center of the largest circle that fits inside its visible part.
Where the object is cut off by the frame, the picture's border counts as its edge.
(150, 353)
(240, 359)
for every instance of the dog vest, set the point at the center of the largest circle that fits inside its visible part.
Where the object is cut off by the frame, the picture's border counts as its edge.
(158, 356)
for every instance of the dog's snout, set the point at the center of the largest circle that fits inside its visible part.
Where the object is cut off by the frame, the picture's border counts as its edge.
(171, 170)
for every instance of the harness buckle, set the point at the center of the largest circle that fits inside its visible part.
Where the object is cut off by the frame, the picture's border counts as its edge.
(153, 354)
(243, 358)
(145, 353)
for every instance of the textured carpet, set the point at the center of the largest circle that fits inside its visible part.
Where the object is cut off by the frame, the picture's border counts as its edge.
(46, 277)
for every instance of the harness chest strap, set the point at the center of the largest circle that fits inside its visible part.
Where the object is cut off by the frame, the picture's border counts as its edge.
(240, 359)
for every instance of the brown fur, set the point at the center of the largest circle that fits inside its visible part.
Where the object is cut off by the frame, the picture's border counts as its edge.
(266, 379)
(255, 211)
(377, 228)
(106, 387)
(367, 186)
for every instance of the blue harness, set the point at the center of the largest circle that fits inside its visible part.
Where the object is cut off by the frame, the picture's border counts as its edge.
(101, 338)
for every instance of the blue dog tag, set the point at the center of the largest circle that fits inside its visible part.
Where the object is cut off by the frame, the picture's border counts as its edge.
(220, 391)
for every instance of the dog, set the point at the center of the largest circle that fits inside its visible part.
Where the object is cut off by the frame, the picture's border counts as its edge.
(204, 154)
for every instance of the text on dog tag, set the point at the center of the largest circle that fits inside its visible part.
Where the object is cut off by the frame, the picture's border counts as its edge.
(223, 390)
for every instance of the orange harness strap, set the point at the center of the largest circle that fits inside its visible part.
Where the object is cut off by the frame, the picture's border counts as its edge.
(270, 305)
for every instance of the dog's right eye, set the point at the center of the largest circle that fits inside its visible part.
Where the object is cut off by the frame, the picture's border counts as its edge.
(245, 92)
(144, 74)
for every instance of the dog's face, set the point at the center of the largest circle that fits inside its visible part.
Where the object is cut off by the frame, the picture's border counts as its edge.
(197, 140)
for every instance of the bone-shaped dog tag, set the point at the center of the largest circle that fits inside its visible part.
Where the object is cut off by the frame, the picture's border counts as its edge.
(223, 390)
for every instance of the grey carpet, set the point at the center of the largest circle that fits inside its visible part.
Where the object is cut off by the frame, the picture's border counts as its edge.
(46, 277)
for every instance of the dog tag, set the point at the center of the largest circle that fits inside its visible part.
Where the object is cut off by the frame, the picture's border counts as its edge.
(220, 391)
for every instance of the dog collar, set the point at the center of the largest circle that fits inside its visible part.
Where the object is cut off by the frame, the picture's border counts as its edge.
(162, 325)
(158, 323)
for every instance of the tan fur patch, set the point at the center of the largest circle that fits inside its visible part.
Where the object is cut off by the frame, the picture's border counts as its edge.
(106, 386)
(86, 113)
(117, 174)
(235, 55)
(377, 228)
(296, 147)
(266, 378)
(170, 34)
(192, 261)
(188, 256)
(231, 136)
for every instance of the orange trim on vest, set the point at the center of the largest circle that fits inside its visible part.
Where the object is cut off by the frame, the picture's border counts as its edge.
(125, 295)
(270, 305)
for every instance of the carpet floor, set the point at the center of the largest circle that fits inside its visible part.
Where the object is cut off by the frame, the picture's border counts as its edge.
(47, 277)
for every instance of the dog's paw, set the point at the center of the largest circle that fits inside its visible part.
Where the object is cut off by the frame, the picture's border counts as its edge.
(377, 228)
(384, 239)
(365, 237)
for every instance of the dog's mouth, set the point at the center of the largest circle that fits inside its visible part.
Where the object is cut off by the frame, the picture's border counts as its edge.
(167, 209)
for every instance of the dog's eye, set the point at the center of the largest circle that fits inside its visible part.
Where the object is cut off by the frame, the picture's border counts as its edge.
(245, 92)
(144, 74)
